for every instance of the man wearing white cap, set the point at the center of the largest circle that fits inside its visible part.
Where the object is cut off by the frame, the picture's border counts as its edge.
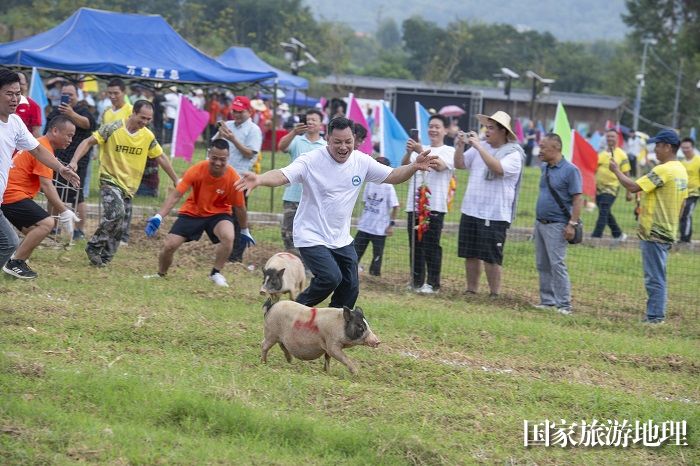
(244, 141)
(488, 209)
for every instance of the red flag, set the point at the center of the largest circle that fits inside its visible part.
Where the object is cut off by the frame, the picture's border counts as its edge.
(585, 158)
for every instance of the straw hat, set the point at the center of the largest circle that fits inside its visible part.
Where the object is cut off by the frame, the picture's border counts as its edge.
(500, 117)
(258, 105)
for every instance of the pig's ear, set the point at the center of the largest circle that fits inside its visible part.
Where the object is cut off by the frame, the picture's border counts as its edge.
(359, 309)
(280, 273)
(347, 314)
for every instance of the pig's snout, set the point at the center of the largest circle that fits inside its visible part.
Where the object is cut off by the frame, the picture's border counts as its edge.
(263, 291)
(372, 341)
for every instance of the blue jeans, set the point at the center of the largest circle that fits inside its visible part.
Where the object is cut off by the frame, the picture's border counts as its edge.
(335, 271)
(605, 216)
(654, 259)
(8, 240)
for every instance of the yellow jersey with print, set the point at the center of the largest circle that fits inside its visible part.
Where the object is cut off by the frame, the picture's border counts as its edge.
(664, 188)
(693, 168)
(605, 180)
(123, 156)
(110, 116)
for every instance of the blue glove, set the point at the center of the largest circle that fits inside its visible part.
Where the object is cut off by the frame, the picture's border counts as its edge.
(153, 225)
(246, 238)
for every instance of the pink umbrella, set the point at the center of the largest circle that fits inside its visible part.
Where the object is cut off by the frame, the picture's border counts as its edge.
(452, 111)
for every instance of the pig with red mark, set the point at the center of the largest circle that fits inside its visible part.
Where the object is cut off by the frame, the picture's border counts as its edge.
(308, 333)
(283, 273)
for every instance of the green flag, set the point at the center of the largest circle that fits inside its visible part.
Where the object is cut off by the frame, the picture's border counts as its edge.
(563, 129)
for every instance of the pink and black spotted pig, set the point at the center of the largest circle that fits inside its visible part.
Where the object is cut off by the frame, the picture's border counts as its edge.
(308, 333)
(283, 273)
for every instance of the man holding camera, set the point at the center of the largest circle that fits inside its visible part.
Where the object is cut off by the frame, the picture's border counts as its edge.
(244, 140)
(553, 229)
(79, 113)
(426, 252)
(488, 209)
(305, 137)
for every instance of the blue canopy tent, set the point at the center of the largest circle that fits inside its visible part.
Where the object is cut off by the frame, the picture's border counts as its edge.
(244, 58)
(121, 44)
(295, 99)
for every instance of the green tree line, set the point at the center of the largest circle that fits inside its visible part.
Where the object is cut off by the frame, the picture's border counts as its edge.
(465, 52)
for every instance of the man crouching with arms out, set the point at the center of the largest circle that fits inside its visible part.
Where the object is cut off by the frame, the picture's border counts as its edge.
(208, 208)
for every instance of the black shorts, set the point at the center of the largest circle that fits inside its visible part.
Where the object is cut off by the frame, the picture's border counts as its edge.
(66, 191)
(191, 228)
(24, 213)
(477, 240)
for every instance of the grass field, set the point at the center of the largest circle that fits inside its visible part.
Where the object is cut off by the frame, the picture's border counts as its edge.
(102, 366)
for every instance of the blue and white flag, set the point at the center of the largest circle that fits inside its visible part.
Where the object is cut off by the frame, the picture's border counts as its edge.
(38, 94)
(393, 136)
(422, 117)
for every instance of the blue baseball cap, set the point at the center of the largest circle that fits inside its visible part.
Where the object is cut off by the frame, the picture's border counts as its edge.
(668, 136)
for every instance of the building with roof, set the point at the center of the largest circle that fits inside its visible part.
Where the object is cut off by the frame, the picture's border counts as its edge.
(585, 111)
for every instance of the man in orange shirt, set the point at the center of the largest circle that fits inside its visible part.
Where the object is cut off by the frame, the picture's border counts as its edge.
(26, 177)
(207, 209)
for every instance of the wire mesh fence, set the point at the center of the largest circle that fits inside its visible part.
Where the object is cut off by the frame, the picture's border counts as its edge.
(606, 274)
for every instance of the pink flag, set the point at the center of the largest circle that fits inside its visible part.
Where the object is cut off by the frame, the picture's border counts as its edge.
(519, 131)
(356, 115)
(190, 123)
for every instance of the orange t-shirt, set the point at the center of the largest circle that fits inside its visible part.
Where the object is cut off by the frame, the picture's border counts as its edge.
(23, 179)
(210, 195)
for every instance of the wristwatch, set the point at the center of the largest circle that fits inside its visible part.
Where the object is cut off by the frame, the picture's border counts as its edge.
(572, 223)
(392, 223)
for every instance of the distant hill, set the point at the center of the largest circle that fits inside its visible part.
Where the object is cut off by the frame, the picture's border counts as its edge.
(571, 20)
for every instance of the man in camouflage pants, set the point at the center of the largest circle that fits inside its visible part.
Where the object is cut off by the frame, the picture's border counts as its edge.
(126, 145)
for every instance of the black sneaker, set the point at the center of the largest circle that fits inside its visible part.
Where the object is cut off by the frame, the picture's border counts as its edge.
(19, 268)
(95, 258)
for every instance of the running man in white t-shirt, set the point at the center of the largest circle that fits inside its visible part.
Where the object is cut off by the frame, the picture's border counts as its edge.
(427, 252)
(14, 135)
(332, 177)
(377, 220)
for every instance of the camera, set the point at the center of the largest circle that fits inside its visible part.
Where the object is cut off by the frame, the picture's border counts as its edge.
(414, 134)
(65, 99)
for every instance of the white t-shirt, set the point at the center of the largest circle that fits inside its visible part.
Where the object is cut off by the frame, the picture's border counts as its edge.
(379, 199)
(330, 190)
(438, 182)
(13, 135)
(491, 199)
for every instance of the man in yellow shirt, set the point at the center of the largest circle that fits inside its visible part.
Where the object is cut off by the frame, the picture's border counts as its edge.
(607, 186)
(692, 166)
(126, 145)
(120, 109)
(664, 189)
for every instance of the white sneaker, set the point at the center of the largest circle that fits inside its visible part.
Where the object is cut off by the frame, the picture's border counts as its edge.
(219, 280)
(426, 289)
(621, 238)
(565, 311)
(544, 307)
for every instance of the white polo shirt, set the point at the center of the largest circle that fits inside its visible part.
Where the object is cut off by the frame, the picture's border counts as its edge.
(13, 135)
(330, 190)
(491, 199)
(438, 182)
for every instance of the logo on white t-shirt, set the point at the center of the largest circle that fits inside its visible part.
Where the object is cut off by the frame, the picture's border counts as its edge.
(356, 180)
